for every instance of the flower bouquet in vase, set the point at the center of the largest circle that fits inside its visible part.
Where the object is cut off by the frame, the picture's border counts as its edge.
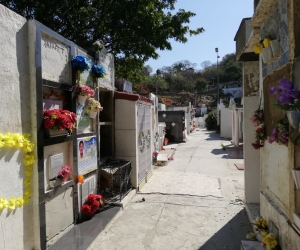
(288, 98)
(93, 107)
(80, 64)
(98, 71)
(58, 120)
(84, 92)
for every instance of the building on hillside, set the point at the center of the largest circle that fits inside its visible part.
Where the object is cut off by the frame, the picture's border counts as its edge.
(270, 189)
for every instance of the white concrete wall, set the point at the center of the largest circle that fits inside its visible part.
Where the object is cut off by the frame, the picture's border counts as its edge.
(17, 231)
(126, 135)
(226, 122)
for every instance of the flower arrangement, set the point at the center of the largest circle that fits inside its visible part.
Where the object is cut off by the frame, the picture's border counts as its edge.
(261, 224)
(260, 134)
(79, 179)
(287, 96)
(280, 134)
(93, 106)
(19, 141)
(251, 236)
(98, 71)
(166, 141)
(63, 174)
(92, 204)
(99, 46)
(269, 240)
(154, 156)
(264, 43)
(258, 117)
(85, 90)
(80, 63)
(59, 119)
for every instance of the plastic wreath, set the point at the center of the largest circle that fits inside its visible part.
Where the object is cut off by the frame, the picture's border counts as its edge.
(80, 63)
(92, 204)
(59, 119)
(19, 141)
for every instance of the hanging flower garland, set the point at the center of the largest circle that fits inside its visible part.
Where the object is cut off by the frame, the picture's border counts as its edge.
(260, 133)
(19, 141)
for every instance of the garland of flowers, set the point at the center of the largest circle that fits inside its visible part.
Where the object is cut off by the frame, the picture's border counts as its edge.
(19, 141)
(260, 133)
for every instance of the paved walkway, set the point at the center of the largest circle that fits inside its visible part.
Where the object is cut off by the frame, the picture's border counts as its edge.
(192, 203)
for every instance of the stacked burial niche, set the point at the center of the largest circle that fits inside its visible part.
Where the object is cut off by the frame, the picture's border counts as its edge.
(69, 150)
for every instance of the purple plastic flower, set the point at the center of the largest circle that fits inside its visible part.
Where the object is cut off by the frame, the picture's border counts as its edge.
(292, 93)
(286, 84)
(285, 99)
(274, 135)
(273, 90)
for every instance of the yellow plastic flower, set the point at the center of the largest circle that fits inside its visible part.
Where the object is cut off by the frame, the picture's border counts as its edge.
(266, 42)
(251, 236)
(20, 201)
(26, 135)
(12, 203)
(28, 159)
(27, 182)
(28, 146)
(28, 170)
(270, 241)
(257, 48)
(264, 234)
(27, 193)
(1, 144)
(3, 203)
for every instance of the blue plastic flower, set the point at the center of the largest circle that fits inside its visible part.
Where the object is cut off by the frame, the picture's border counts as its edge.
(80, 62)
(98, 71)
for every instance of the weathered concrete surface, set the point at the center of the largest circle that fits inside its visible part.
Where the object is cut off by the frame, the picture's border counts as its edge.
(195, 208)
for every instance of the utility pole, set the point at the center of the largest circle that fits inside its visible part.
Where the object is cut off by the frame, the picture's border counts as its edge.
(158, 73)
(217, 50)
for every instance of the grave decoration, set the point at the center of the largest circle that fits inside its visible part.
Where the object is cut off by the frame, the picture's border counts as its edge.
(93, 107)
(92, 204)
(59, 120)
(19, 141)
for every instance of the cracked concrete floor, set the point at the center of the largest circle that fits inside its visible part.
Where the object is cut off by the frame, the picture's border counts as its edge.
(187, 203)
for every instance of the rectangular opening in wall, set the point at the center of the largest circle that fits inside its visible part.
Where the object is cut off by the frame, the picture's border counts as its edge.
(106, 141)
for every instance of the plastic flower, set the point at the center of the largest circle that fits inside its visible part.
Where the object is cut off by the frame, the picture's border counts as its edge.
(20, 201)
(264, 234)
(27, 193)
(28, 159)
(12, 203)
(270, 241)
(3, 203)
(261, 223)
(80, 63)
(93, 105)
(27, 181)
(257, 48)
(266, 42)
(80, 179)
(251, 236)
(98, 71)
(28, 170)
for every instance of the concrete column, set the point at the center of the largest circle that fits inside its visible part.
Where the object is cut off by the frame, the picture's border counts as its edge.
(251, 156)
(236, 128)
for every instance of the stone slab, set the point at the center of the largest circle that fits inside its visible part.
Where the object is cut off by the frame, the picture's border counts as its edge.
(183, 183)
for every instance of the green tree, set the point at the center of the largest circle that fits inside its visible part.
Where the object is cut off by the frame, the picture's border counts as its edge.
(132, 30)
(201, 85)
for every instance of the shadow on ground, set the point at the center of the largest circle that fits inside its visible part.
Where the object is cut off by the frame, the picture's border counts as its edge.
(218, 152)
(229, 236)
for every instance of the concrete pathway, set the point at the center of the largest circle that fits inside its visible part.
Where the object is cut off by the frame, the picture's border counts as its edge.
(192, 203)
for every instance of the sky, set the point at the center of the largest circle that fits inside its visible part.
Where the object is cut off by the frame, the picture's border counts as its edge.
(219, 18)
